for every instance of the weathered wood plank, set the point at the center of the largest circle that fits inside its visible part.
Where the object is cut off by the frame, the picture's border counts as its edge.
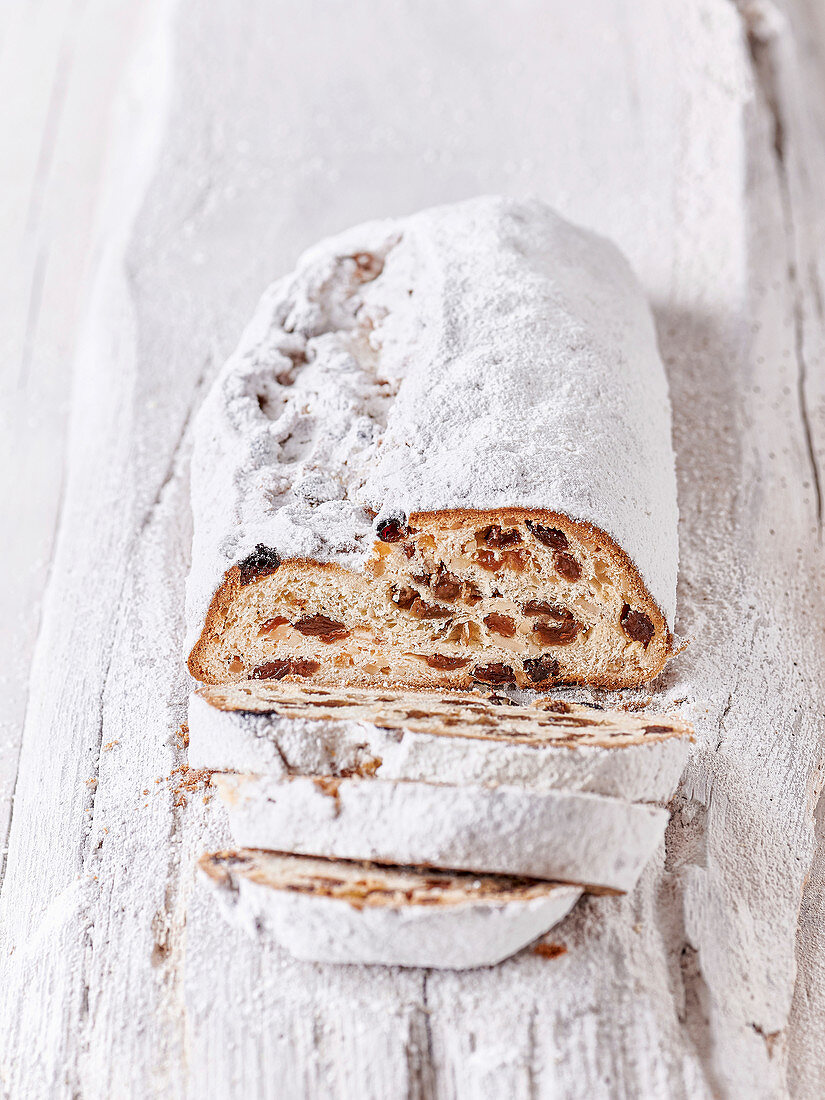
(659, 125)
(58, 66)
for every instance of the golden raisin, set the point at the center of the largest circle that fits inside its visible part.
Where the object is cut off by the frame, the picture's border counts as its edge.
(488, 560)
(438, 660)
(500, 624)
(303, 666)
(446, 586)
(556, 633)
(567, 566)
(494, 674)
(272, 670)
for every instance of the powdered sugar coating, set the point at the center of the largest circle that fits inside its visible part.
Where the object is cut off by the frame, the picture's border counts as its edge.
(564, 836)
(632, 764)
(462, 926)
(480, 355)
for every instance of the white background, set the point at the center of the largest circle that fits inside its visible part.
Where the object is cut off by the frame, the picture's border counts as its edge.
(159, 164)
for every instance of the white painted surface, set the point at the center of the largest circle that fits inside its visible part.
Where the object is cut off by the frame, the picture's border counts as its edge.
(239, 135)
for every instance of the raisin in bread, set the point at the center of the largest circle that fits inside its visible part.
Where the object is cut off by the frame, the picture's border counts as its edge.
(560, 836)
(277, 728)
(348, 912)
(440, 456)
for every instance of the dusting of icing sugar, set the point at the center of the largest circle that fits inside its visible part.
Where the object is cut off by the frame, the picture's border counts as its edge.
(480, 355)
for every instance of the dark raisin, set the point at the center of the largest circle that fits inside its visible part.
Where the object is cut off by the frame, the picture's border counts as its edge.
(550, 536)
(405, 597)
(421, 578)
(260, 563)
(557, 706)
(303, 666)
(494, 674)
(540, 669)
(272, 670)
(637, 625)
(319, 626)
(494, 536)
(567, 566)
(423, 610)
(501, 701)
(392, 530)
(539, 607)
(658, 729)
(436, 660)
(500, 624)
(556, 633)
(446, 586)
(409, 550)
(509, 538)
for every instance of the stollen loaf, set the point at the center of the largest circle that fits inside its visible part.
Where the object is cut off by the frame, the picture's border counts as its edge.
(439, 457)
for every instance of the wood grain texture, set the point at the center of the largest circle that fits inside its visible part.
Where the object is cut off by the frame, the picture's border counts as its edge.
(693, 136)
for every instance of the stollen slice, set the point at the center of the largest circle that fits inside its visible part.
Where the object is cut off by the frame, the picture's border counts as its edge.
(440, 456)
(559, 836)
(279, 728)
(356, 912)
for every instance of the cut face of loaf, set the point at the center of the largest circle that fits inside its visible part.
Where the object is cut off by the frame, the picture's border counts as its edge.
(558, 836)
(440, 456)
(355, 912)
(451, 599)
(276, 728)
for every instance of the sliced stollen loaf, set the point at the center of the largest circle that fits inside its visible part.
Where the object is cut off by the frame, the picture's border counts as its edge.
(559, 836)
(278, 728)
(350, 912)
(440, 455)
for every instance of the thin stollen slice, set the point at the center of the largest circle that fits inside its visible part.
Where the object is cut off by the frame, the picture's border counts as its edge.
(440, 456)
(560, 836)
(337, 911)
(278, 728)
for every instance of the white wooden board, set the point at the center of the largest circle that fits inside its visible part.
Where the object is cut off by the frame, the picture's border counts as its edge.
(237, 135)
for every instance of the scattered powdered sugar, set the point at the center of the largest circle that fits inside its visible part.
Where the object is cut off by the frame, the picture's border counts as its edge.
(478, 355)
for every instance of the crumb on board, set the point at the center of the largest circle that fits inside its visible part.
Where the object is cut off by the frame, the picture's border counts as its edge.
(549, 950)
(110, 745)
(188, 781)
(636, 704)
(182, 735)
(183, 781)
